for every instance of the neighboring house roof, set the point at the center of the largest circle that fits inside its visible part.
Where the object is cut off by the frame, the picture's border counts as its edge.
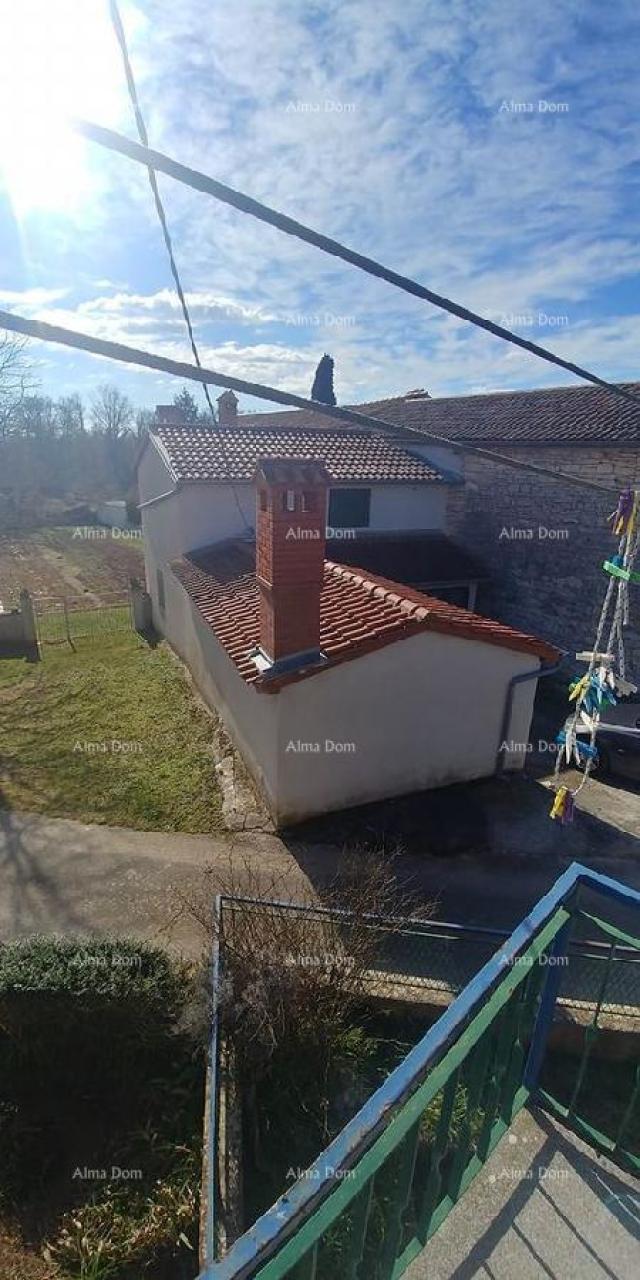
(359, 612)
(232, 453)
(580, 415)
(420, 557)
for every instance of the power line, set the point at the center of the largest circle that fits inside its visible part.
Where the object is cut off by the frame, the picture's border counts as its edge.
(198, 181)
(147, 360)
(153, 182)
(162, 218)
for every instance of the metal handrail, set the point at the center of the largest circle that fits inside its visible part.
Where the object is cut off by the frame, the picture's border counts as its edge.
(298, 1207)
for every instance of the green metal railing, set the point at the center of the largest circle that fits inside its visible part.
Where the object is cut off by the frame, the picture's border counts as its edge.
(625, 1135)
(374, 1198)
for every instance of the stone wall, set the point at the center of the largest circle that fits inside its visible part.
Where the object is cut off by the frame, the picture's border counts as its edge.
(543, 541)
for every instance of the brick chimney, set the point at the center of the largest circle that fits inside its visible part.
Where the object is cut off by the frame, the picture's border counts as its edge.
(291, 520)
(228, 409)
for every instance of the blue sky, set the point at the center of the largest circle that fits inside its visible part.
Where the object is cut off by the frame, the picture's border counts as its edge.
(490, 149)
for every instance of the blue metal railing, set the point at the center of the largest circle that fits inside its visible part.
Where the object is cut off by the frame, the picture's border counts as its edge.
(285, 1241)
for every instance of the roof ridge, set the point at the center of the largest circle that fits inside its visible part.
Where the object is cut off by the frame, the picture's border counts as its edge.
(532, 391)
(382, 589)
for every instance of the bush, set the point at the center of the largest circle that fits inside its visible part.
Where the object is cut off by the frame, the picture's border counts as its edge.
(98, 1065)
(84, 1011)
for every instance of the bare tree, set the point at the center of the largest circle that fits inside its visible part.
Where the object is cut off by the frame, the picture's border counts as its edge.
(297, 977)
(145, 419)
(35, 418)
(15, 379)
(112, 412)
(70, 415)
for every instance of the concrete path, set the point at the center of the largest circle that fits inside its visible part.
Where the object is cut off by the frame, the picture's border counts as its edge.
(611, 800)
(544, 1206)
(62, 876)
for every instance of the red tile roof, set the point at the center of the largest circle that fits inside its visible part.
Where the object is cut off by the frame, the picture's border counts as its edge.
(359, 612)
(202, 453)
(547, 415)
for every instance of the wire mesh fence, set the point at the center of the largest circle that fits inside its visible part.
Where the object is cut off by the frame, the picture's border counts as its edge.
(442, 958)
(66, 619)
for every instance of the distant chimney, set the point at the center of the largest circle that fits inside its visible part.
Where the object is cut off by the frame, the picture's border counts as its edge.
(290, 549)
(228, 409)
(170, 415)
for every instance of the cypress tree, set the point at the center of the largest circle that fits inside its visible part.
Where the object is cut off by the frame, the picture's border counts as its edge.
(322, 388)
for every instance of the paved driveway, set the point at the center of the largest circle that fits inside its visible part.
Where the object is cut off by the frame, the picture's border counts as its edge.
(59, 876)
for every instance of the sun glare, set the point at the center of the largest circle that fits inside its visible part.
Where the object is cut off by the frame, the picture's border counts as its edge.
(58, 58)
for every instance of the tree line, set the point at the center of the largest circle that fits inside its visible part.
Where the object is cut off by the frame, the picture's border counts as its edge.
(57, 453)
(65, 450)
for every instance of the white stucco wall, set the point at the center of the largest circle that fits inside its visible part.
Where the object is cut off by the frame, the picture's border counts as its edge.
(153, 475)
(421, 713)
(405, 506)
(198, 514)
(113, 514)
(250, 719)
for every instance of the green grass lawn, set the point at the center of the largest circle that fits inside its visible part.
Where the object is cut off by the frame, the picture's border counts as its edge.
(110, 733)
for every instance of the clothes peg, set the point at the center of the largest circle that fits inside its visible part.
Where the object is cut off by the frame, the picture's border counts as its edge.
(623, 514)
(563, 807)
(615, 567)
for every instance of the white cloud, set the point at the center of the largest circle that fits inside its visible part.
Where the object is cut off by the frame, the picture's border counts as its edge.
(380, 124)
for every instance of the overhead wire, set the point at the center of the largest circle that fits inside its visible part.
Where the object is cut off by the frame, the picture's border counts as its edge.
(121, 38)
(45, 332)
(157, 161)
(198, 181)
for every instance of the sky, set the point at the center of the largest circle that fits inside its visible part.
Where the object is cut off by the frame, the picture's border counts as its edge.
(488, 148)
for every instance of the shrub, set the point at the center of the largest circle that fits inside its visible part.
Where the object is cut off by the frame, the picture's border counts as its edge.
(119, 1235)
(96, 1057)
(85, 1012)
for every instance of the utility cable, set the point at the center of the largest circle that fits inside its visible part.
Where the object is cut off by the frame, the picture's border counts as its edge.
(198, 181)
(162, 218)
(45, 332)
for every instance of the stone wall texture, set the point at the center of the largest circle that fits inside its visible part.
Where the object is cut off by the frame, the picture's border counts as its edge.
(543, 541)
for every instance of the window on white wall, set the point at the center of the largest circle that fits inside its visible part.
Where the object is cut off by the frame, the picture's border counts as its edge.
(349, 508)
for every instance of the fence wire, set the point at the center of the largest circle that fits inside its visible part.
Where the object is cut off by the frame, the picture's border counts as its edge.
(65, 619)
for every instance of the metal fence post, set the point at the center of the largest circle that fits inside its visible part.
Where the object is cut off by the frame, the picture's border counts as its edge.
(66, 624)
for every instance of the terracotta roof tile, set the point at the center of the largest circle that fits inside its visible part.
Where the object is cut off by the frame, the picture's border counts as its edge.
(579, 414)
(358, 612)
(202, 453)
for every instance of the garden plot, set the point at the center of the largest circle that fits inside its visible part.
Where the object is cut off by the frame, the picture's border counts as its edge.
(68, 562)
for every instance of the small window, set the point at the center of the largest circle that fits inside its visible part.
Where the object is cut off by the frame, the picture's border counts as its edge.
(161, 595)
(289, 500)
(349, 508)
(309, 501)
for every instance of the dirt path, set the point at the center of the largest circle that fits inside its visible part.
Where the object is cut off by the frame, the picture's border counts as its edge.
(76, 586)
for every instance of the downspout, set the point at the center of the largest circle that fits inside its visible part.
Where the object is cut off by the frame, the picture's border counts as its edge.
(538, 674)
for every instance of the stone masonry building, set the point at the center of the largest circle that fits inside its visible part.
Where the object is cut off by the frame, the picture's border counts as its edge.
(543, 541)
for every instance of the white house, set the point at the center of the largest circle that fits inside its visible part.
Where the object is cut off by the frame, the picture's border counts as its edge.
(387, 498)
(338, 686)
